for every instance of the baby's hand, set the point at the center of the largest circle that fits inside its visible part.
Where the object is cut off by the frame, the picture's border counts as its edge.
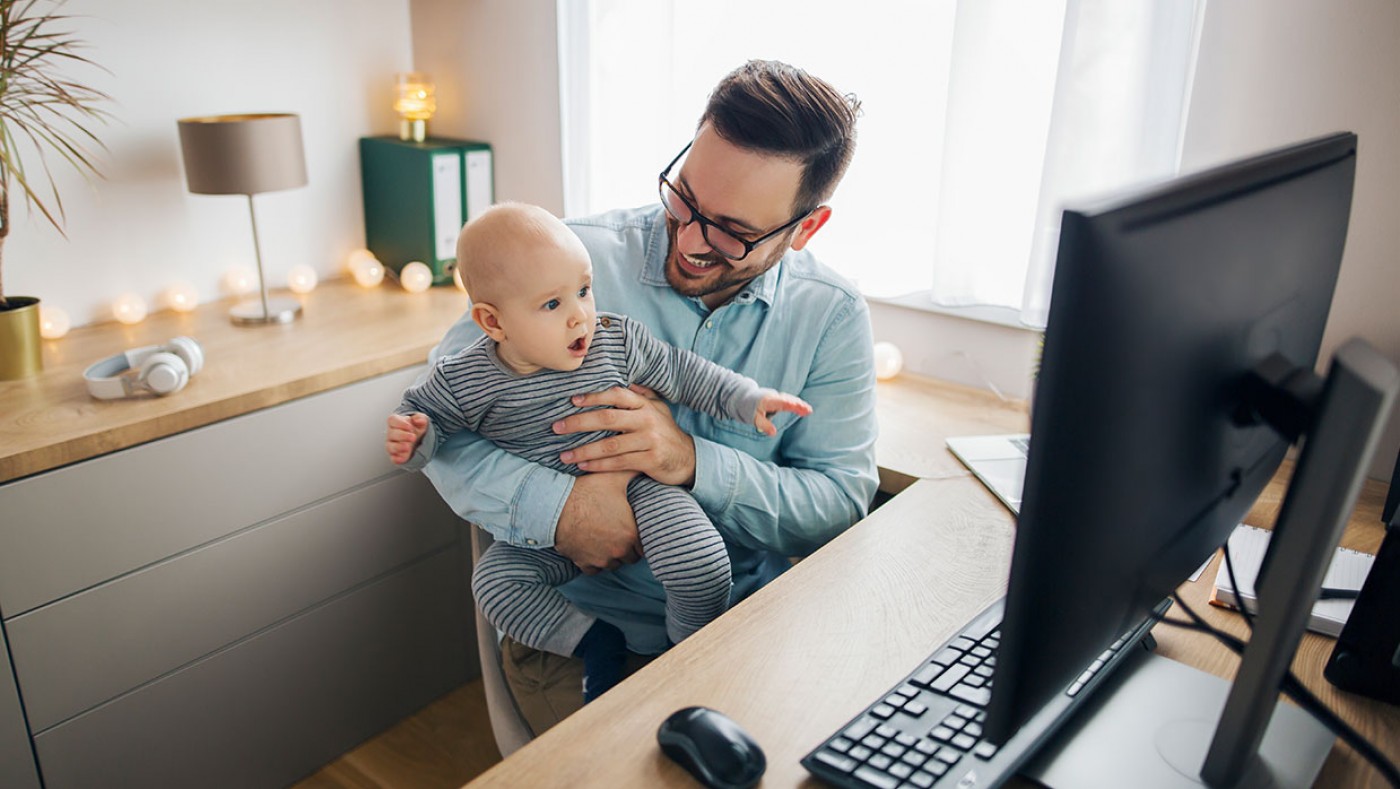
(772, 403)
(405, 431)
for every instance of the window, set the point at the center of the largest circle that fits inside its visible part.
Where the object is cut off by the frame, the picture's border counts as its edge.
(980, 118)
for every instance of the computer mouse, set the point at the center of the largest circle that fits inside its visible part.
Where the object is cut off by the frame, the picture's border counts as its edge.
(712, 747)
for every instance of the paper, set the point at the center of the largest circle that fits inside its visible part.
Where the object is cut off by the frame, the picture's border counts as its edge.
(1247, 547)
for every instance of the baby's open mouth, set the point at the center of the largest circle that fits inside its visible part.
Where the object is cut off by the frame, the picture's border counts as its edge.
(577, 345)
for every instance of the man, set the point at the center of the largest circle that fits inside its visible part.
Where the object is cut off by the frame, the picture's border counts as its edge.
(718, 268)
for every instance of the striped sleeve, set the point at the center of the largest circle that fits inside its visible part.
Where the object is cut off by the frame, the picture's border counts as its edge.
(684, 377)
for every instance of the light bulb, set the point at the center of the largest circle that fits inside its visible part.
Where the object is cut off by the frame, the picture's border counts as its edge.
(129, 308)
(182, 297)
(368, 273)
(888, 360)
(53, 322)
(301, 279)
(240, 280)
(359, 257)
(415, 100)
(416, 277)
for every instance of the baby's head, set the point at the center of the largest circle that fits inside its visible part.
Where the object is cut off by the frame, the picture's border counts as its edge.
(531, 285)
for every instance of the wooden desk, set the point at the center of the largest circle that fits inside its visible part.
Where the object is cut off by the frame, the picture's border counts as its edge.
(803, 655)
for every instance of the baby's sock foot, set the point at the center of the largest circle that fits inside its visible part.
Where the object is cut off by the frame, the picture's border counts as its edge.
(604, 652)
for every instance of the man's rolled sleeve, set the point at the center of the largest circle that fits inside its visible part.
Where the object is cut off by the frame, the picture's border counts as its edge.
(716, 475)
(515, 500)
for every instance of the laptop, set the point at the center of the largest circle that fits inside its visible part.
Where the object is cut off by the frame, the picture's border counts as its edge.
(998, 461)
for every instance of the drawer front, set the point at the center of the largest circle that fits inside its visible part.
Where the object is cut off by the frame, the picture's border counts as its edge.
(80, 651)
(72, 528)
(17, 769)
(278, 706)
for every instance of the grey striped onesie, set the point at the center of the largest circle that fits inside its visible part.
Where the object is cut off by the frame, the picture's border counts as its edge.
(515, 586)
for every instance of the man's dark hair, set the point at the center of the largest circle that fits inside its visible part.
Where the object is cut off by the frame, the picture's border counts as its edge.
(775, 108)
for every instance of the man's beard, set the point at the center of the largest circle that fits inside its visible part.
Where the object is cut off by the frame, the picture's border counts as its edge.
(724, 276)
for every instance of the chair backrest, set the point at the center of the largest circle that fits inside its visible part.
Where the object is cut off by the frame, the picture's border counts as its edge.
(507, 723)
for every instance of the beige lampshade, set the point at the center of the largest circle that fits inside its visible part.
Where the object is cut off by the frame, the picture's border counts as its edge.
(242, 154)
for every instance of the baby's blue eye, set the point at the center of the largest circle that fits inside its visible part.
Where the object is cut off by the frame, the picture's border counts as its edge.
(552, 304)
(583, 292)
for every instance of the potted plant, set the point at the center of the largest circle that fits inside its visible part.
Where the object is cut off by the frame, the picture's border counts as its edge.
(41, 113)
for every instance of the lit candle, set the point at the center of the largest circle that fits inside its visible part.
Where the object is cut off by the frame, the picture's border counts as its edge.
(53, 322)
(129, 308)
(416, 277)
(301, 279)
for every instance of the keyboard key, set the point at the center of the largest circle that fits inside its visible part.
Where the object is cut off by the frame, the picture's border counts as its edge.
(876, 778)
(955, 721)
(893, 750)
(975, 680)
(963, 643)
(836, 761)
(905, 739)
(915, 708)
(978, 696)
(936, 768)
(879, 761)
(975, 729)
(925, 747)
(927, 675)
(963, 710)
(882, 711)
(985, 750)
(874, 742)
(840, 744)
(901, 770)
(860, 753)
(862, 727)
(949, 678)
(921, 779)
(946, 656)
(888, 732)
(914, 758)
(964, 742)
(948, 756)
(942, 733)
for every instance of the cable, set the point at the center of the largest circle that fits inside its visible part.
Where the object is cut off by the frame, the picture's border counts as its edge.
(1296, 690)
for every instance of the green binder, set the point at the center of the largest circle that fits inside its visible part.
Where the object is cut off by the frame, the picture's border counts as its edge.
(417, 196)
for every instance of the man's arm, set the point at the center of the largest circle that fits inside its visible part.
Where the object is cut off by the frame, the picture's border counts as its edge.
(826, 477)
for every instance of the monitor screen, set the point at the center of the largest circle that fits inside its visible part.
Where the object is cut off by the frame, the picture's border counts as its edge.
(1138, 469)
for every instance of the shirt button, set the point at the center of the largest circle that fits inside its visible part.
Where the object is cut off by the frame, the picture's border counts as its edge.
(531, 542)
(709, 324)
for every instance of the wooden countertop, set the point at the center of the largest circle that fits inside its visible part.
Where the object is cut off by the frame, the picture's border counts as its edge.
(345, 334)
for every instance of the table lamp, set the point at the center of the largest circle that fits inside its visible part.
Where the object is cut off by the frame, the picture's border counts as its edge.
(246, 155)
(415, 100)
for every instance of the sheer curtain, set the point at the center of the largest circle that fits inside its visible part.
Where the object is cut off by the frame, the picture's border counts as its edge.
(980, 119)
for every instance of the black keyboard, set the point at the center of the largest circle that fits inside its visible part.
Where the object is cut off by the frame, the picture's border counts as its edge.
(927, 730)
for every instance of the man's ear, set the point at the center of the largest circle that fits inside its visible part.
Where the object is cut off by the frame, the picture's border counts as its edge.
(488, 318)
(809, 226)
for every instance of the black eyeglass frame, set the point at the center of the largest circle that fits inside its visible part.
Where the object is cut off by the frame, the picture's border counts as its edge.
(706, 223)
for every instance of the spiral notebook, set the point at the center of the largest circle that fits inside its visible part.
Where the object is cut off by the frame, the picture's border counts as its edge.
(1247, 546)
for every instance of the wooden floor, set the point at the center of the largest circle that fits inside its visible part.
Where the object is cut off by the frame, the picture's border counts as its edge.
(446, 744)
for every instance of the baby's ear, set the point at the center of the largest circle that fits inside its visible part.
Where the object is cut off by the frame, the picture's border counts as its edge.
(488, 318)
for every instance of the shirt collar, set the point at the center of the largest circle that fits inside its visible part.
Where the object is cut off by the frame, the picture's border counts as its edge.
(762, 288)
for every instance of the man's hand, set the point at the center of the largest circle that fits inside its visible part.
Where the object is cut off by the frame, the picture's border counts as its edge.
(648, 440)
(405, 431)
(597, 529)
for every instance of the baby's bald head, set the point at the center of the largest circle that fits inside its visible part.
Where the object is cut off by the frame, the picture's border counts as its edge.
(495, 249)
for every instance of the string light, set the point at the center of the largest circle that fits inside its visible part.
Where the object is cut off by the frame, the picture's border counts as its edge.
(888, 360)
(129, 308)
(365, 268)
(301, 279)
(53, 322)
(240, 280)
(416, 277)
(182, 297)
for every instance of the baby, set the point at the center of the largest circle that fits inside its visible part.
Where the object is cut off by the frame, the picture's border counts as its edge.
(530, 282)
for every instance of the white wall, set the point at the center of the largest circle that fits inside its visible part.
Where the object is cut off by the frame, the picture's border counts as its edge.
(331, 61)
(1272, 72)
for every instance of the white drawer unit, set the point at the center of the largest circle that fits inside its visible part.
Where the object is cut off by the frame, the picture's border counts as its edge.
(234, 605)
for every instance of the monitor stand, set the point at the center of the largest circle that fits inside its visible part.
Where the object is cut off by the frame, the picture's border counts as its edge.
(1151, 724)
(1196, 730)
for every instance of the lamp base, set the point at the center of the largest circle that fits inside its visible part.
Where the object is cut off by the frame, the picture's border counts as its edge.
(250, 313)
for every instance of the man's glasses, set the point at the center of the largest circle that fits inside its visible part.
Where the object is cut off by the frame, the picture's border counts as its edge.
(719, 239)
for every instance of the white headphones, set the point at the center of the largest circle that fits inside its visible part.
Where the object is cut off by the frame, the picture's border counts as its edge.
(158, 369)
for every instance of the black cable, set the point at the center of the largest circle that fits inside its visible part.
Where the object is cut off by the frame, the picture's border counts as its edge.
(1300, 694)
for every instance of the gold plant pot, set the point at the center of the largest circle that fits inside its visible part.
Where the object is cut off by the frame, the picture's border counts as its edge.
(21, 354)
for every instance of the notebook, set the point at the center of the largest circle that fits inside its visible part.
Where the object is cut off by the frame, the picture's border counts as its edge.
(1247, 546)
(998, 461)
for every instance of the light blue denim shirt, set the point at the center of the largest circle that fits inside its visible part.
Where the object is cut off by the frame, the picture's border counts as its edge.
(798, 328)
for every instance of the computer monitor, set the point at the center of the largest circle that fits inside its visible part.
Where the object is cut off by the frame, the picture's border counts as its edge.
(1142, 459)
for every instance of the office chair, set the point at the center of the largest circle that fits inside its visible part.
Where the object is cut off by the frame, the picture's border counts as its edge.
(507, 723)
